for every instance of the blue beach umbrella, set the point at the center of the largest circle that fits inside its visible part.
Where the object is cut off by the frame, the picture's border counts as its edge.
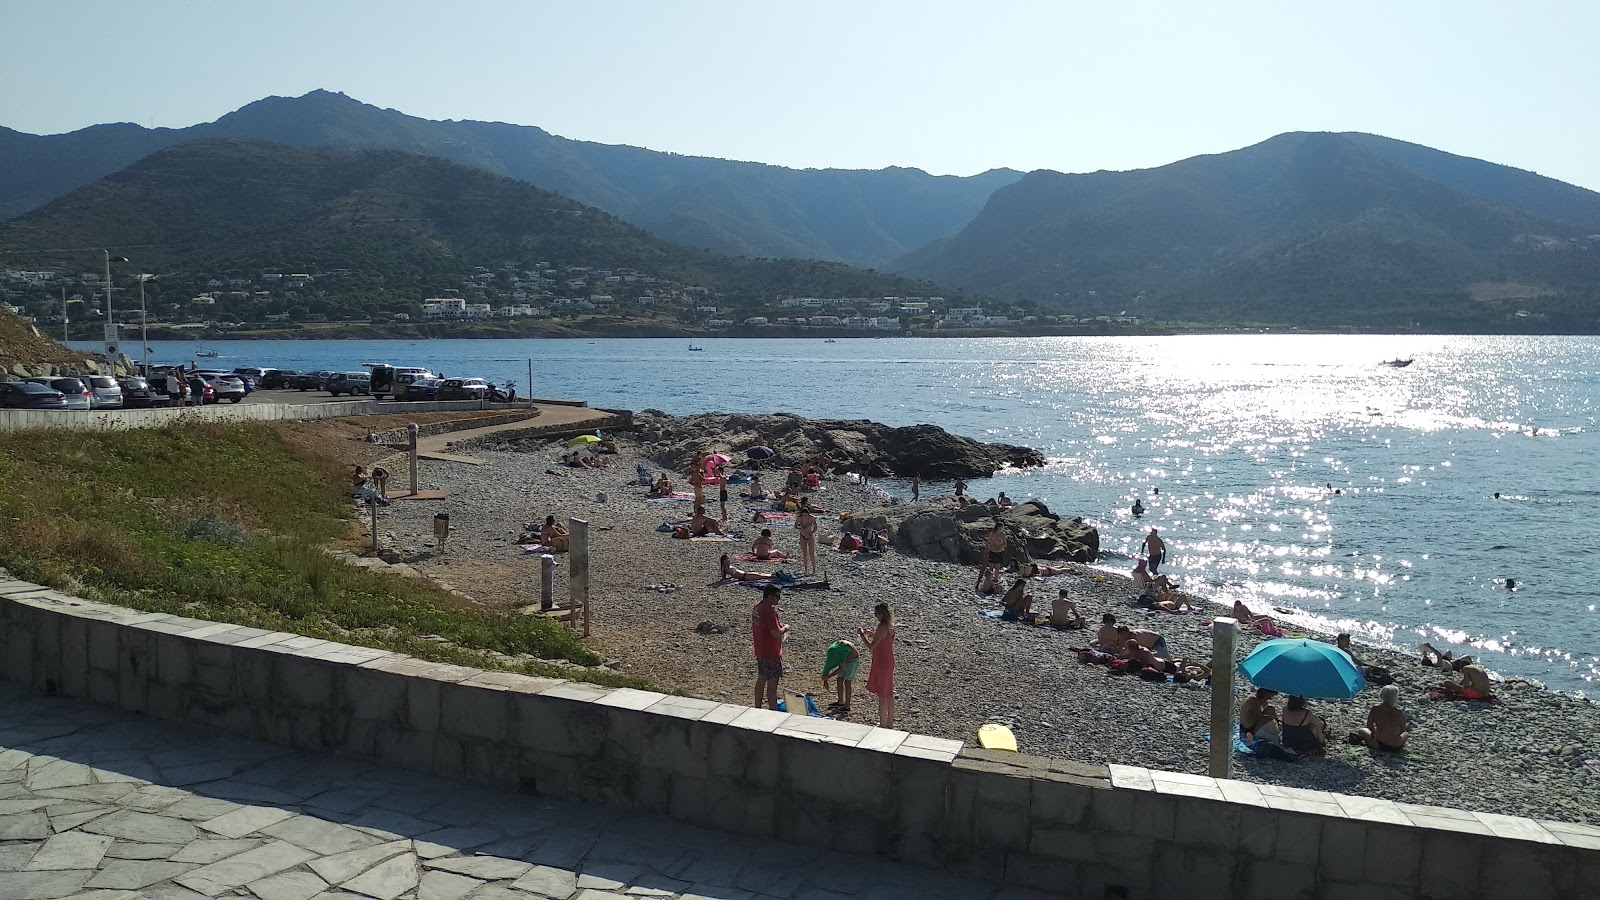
(759, 453)
(1302, 668)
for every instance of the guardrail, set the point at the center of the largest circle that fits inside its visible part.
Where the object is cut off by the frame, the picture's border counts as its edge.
(109, 419)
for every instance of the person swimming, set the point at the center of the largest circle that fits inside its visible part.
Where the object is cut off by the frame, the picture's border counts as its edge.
(1138, 507)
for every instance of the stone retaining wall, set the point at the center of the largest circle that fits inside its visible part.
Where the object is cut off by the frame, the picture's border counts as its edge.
(106, 419)
(401, 437)
(1084, 831)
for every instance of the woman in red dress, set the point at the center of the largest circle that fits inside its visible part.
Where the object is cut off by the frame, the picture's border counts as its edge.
(880, 681)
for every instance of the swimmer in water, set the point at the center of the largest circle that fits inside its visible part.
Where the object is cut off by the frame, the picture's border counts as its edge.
(1497, 495)
(1138, 508)
(1511, 584)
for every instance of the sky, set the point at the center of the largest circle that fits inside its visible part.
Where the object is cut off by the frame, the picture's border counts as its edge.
(952, 88)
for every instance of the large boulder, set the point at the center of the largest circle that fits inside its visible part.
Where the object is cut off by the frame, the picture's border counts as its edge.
(943, 530)
(926, 450)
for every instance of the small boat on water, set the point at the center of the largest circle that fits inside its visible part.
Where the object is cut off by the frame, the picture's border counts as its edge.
(1397, 363)
(206, 354)
(830, 341)
(694, 349)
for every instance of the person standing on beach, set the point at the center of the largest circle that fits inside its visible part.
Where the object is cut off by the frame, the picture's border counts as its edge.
(768, 633)
(722, 496)
(994, 552)
(880, 681)
(698, 479)
(961, 489)
(1156, 549)
(805, 525)
(916, 487)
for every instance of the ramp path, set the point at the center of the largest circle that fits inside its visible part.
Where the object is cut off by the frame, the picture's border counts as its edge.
(550, 416)
(96, 803)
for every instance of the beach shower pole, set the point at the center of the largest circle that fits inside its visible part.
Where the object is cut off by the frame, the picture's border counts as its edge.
(530, 376)
(411, 434)
(547, 583)
(578, 574)
(1224, 636)
(372, 504)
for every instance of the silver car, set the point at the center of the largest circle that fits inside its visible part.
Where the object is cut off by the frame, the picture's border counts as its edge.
(107, 391)
(78, 395)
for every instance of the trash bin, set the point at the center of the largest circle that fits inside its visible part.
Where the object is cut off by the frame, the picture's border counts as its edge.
(441, 527)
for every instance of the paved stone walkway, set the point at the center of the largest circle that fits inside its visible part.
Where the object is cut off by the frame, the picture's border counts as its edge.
(99, 805)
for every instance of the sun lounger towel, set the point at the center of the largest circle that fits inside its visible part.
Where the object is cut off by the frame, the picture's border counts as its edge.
(767, 515)
(535, 548)
(675, 498)
(776, 557)
(1240, 745)
(713, 539)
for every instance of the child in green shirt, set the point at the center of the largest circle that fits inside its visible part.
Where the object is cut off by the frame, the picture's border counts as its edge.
(843, 661)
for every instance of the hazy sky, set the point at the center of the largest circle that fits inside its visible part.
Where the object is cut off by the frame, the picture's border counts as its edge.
(947, 87)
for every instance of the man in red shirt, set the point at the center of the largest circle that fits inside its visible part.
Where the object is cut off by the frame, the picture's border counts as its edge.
(768, 633)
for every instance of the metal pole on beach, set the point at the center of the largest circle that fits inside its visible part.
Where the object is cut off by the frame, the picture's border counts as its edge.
(372, 505)
(1224, 637)
(578, 571)
(411, 434)
(547, 583)
(530, 379)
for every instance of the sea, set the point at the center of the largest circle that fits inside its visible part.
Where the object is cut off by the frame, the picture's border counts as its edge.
(1296, 472)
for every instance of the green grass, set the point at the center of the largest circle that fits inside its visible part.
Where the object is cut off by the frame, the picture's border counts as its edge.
(227, 522)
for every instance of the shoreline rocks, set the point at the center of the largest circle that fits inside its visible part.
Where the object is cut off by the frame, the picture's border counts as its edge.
(941, 529)
(928, 450)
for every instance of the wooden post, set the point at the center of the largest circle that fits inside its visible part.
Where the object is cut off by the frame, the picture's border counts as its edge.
(411, 433)
(1224, 636)
(372, 505)
(578, 571)
(547, 583)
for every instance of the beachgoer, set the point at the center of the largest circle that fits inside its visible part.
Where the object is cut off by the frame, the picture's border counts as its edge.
(380, 481)
(698, 479)
(762, 547)
(1169, 601)
(994, 550)
(1474, 683)
(1302, 730)
(1064, 613)
(795, 480)
(767, 633)
(722, 497)
(1156, 491)
(1017, 602)
(606, 445)
(805, 525)
(1106, 637)
(1005, 502)
(1144, 637)
(1138, 507)
(757, 490)
(174, 390)
(1511, 584)
(1387, 728)
(961, 488)
(1131, 651)
(358, 480)
(662, 487)
(554, 535)
(1377, 674)
(1156, 549)
(991, 583)
(1192, 670)
(843, 661)
(880, 681)
(730, 573)
(1045, 571)
(1141, 575)
(1256, 711)
(916, 487)
(1263, 624)
(702, 524)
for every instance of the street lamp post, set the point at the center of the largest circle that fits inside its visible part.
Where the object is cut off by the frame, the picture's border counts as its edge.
(144, 325)
(111, 322)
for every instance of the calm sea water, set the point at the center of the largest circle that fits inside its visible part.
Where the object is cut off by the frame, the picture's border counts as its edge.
(1243, 436)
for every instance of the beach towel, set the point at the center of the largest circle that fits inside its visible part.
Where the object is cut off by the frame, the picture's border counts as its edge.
(776, 557)
(1240, 745)
(535, 548)
(713, 539)
(942, 576)
(675, 498)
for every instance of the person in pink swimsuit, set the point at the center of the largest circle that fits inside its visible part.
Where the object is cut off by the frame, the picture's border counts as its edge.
(880, 681)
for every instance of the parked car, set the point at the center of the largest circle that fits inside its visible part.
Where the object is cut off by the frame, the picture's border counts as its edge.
(421, 389)
(199, 387)
(351, 383)
(255, 373)
(393, 379)
(30, 395)
(78, 394)
(463, 389)
(107, 392)
(224, 387)
(310, 381)
(273, 379)
(137, 392)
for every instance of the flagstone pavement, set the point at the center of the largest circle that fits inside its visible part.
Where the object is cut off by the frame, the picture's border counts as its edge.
(96, 804)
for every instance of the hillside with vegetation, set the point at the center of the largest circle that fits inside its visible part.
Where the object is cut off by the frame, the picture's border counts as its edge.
(1304, 229)
(734, 208)
(390, 227)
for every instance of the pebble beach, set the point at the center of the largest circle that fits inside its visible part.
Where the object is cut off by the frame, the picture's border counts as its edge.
(957, 669)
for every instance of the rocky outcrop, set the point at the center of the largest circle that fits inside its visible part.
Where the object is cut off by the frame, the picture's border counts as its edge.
(940, 529)
(927, 450)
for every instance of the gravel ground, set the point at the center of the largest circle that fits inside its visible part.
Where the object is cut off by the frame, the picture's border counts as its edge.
(957, 669)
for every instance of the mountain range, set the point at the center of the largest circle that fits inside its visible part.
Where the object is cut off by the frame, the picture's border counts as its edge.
(1310, 228)
(1316, 229)
(736, 208)
(415, 222)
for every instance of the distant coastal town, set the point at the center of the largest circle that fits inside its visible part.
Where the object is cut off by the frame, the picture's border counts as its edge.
(528, 298)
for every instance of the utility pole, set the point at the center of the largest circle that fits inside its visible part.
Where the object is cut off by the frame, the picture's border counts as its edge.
(64, 337)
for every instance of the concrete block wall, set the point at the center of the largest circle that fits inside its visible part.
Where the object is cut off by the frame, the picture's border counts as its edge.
(1078, 830)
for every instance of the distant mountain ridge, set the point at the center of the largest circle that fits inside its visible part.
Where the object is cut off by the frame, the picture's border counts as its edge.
(737, 208)
(1304, 228)
(413, 222)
